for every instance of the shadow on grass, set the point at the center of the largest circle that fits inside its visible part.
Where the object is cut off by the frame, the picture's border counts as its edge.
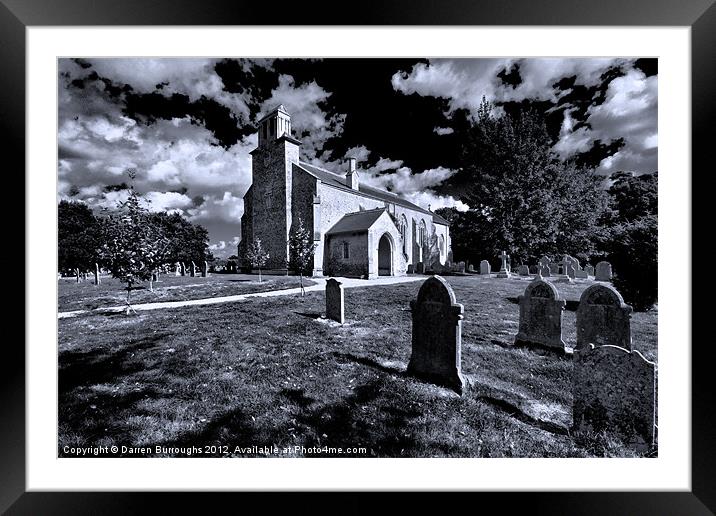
(240, 280)
(310, 315)
(370, 363)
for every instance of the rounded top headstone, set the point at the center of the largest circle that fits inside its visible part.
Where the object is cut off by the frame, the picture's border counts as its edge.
(541, 288)
(436, 289)
(602, 295)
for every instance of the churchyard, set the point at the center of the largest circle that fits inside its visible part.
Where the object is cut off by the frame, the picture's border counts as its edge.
(85, 295)
(274, 372)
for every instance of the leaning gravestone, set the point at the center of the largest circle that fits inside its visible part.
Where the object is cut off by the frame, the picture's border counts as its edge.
(541, 316)
(589, 270)
(545, 261)
(603, 272)
(523, 270)
(193, 270)
(96, 274)
(334, 300)
(544, 271)
(437, 335)
(614, 390)
(485, 267)
(183, 269)
(603, 318)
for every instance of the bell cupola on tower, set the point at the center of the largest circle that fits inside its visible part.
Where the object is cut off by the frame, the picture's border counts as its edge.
(274, 125)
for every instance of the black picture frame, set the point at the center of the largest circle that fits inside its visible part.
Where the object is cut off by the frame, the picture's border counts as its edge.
(17, 15)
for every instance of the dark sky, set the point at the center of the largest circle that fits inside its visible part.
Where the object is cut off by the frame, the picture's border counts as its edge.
(187, 125)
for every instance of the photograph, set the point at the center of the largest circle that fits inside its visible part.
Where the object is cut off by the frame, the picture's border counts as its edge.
(359, 257)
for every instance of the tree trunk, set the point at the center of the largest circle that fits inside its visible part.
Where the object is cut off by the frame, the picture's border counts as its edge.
(303, 292)
(129, 291)
(151, 284)
(260, 275)
(77, 273)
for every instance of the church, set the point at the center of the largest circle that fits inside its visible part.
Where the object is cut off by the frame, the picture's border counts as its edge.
(359, 231)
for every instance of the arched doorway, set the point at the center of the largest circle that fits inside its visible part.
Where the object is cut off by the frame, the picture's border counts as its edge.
(385, 256)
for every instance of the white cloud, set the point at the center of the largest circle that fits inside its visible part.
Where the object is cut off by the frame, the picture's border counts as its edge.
(443, 130)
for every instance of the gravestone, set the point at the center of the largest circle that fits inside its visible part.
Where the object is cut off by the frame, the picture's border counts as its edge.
(205, 270)
(411, 268)
(96, 274)
(420, 268)
(545, 261)
(192, 271)
(437, 335)
(177, 269)
(523, 270)
(603, 318)
(614, 390)
(570, 271)
(589, 270)
(554, 268)
(485, 267)
(460, 266)
(541, 316)
(155, 276)
(183, 269)
(334, 300)
(580, 274)
(544, 271)
(603, 272)
(504, 271)
(471, 268)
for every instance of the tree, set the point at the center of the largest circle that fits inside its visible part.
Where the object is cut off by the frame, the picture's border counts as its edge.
(133, 248)
(301, 250)
(188, 242)
(78, 237)
(631, 241)
(257, 255)
(523, 198)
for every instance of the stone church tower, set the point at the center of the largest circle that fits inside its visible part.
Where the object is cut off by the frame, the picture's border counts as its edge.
(267, 205)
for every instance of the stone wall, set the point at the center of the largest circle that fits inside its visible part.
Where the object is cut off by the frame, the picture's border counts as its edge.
(271, 198)
(356, 265)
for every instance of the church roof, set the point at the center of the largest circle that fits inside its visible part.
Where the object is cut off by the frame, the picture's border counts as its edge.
(336, 180)
(356, 222)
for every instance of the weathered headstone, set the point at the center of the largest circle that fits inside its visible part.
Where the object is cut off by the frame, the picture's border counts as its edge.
(545, 261)
(485, 267)
(504, 271)
(334, 300)
(205, 270)
(471, 268)
(177, 269)
(589, 270)
(614, 390)
(183, 269)
(437, 335)
(541, 316)
(554, 268)
(411, 268)
(192, 272)
(603, 318)
(460, 266)
(603, 272)
(97, 281)
(580, 274)
(570, 271)
(523, 270)
(544, 271)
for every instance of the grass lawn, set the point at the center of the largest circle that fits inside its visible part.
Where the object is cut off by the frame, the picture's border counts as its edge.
(270, 372)
(111, 292)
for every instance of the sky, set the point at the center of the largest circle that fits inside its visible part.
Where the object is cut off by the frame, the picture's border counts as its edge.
(186, 126)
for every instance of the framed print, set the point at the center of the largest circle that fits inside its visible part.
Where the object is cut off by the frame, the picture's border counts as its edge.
(432, 255)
